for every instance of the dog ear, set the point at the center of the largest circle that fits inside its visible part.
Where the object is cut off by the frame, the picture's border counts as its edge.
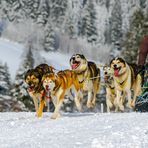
(51, 69)
(111, 61)
(26, 74)
(43, 78)
(82, 56)
(56, 75)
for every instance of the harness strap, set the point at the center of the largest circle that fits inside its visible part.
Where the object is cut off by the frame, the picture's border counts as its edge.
(47, 97)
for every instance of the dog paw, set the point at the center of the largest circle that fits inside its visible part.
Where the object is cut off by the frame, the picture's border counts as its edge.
(38, 115)
(89, 105)
(55, 116)
(121, 108)
(130, 105)
(79, 108)
(93, 103)
(133, 104)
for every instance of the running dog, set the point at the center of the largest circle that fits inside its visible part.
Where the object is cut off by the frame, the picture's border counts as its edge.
(57, 84)
(126, 78)
(110, 87)
(88, 76)
(35, 89)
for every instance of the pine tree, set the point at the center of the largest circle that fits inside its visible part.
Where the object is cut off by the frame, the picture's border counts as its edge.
(5, 82)
(58, 11)
(116, 25)
(71, 25)
(87, 24)
(135, 34)
(43, 12)
(20, 89)
(49, 38)
(73, 16)
(142, 3)
(7, 78)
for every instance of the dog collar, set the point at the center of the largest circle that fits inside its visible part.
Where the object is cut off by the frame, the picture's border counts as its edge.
(44, 95)
(79, 73)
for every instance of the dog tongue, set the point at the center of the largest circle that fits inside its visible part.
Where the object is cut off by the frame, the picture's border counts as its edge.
(29, 89)
(74, 66)
(116, 72)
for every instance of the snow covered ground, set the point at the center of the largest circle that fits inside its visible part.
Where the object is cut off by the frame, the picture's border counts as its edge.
(74, 130)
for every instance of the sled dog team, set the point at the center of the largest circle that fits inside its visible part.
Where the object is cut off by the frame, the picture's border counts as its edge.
(119, 77)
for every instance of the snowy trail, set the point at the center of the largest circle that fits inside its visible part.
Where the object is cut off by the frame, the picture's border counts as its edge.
(74, 130)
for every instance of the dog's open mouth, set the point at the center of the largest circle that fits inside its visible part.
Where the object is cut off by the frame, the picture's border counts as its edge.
(30, 88)
(75, 64)
(47, 88)
(116, 71)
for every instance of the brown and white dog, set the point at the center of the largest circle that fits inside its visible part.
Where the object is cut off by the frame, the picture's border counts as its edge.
(125, 79)
(57, 85)
(35, 88)
(110, 88)
(88, 76)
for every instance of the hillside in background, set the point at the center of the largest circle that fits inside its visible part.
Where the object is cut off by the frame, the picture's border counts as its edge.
(13, 53)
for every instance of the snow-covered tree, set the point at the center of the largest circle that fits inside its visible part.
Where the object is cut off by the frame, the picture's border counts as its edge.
(73, 16)
(138, 29)
(49, 38)
(19, 90)
(5, 82)
(142, 4)
(43, 12)
(58, 11)
(116, 25)
(71, 26)
(87, 24)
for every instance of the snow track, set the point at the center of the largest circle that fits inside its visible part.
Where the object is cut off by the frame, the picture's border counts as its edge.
(74, 130)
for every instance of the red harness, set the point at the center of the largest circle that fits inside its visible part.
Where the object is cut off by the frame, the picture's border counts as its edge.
(42, 94)
(47, 97)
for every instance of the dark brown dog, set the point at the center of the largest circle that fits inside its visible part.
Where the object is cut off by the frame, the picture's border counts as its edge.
(33, 79)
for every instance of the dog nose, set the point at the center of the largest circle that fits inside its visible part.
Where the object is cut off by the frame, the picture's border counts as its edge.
(105, 73)
(115, 66)
(29, 83)
(47, 86)
(73, 58)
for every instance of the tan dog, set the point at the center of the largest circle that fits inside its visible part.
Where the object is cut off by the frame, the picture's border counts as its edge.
(88, 76)
(57, 84)
(110, 88)
(35, 89)
(125, 79)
